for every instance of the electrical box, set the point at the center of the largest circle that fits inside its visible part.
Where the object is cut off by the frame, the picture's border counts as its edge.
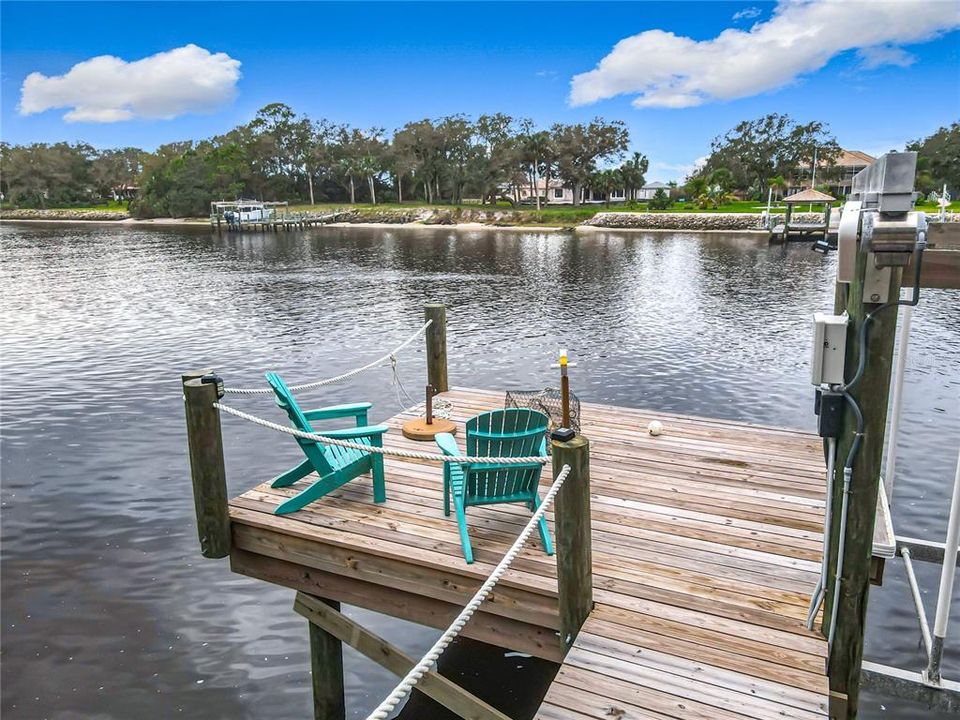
(829, 349)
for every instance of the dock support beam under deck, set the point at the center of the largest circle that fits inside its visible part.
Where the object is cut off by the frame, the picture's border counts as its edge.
(325, 618)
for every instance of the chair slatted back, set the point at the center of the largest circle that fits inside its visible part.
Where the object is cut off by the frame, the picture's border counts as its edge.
(512, 432)
(325, 459)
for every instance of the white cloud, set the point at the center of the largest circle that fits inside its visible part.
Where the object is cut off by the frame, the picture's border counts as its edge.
(107, 89)
(747, 14)
(677, 171)
(874, 57)
(667, 70)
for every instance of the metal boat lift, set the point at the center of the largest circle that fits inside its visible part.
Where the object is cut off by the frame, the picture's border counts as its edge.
(929, 685)
(889, 183)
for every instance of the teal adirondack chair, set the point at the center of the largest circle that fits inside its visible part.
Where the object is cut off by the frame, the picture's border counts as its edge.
(514, 432)
(333, 464)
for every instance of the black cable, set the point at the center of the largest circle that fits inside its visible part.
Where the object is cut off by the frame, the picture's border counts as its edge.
(862, 359)
(864, 326)
(858, 435)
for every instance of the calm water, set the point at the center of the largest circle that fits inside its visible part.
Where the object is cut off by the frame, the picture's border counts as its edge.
(108, 610)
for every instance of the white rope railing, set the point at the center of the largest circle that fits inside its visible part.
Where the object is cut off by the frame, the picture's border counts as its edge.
(433, 654)
(408, 454)
(390, 356)
(441, 408)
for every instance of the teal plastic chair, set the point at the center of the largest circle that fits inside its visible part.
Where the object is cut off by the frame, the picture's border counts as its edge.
(333, 464)
(514, 432)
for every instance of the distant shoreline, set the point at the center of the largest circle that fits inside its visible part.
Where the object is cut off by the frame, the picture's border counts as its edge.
(666, 222)
(458, 227)
(124, 221)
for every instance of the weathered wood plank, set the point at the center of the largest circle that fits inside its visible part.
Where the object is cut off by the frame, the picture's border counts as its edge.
(941, 269)
(485, 627)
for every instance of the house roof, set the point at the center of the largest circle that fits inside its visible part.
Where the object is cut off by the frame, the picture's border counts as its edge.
(849, 158)
(809, 196)
(655, 186)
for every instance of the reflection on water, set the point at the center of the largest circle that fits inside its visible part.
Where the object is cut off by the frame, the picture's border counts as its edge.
(108, 609)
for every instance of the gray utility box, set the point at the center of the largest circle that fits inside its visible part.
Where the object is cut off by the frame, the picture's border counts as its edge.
(829, 349)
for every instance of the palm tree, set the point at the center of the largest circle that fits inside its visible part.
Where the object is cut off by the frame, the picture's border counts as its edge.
(606, 181)
(632, 171)
(778, 184)
(695, 186)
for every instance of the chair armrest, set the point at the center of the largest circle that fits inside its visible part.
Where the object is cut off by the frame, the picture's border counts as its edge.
(447, 443)
(357, 410)
(357, 432)
(505, 466)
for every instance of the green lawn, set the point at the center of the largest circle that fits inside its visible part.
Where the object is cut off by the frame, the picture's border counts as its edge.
(561, 215)
(557, 215)
(933, 208)
(110, 206)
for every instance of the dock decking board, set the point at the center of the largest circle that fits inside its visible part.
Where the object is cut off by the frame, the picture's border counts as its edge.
(706, 548)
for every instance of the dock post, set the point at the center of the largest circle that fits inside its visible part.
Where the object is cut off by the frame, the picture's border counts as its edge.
(573, 531)
(206, 465)
(326, 670)
(436, 337)
(871, 394)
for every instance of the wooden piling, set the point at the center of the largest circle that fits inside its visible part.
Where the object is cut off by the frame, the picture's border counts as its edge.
(326, 669)
(871, 394)
(206, 466)
(436, 337)
(573, 536)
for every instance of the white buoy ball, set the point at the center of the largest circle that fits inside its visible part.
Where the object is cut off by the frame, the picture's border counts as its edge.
(655, 427)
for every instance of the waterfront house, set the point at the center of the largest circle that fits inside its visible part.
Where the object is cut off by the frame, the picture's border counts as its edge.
(559, 193)
(838, 177)
(650, 189)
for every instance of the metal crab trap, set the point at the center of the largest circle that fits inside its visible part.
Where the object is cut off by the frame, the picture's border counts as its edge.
(549, 401)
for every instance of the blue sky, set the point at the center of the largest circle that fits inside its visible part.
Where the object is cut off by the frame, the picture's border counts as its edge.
(384, 64)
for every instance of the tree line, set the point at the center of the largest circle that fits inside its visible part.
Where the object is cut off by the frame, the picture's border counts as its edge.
(775, 152)
(280, 155)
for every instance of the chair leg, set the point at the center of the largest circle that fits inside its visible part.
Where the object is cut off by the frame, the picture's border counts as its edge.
(379, 485)
(542, 528)
(291, 476)
(545, 536)
(308, 495)
(446, 493)
(464, 536)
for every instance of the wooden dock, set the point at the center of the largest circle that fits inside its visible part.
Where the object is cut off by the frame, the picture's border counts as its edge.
(799, 232)
(706, 547)
(296, 221)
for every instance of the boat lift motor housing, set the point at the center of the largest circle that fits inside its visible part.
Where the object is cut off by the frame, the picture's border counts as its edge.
(878, 217)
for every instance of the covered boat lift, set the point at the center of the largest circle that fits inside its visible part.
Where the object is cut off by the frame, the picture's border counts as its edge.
(803, 230)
